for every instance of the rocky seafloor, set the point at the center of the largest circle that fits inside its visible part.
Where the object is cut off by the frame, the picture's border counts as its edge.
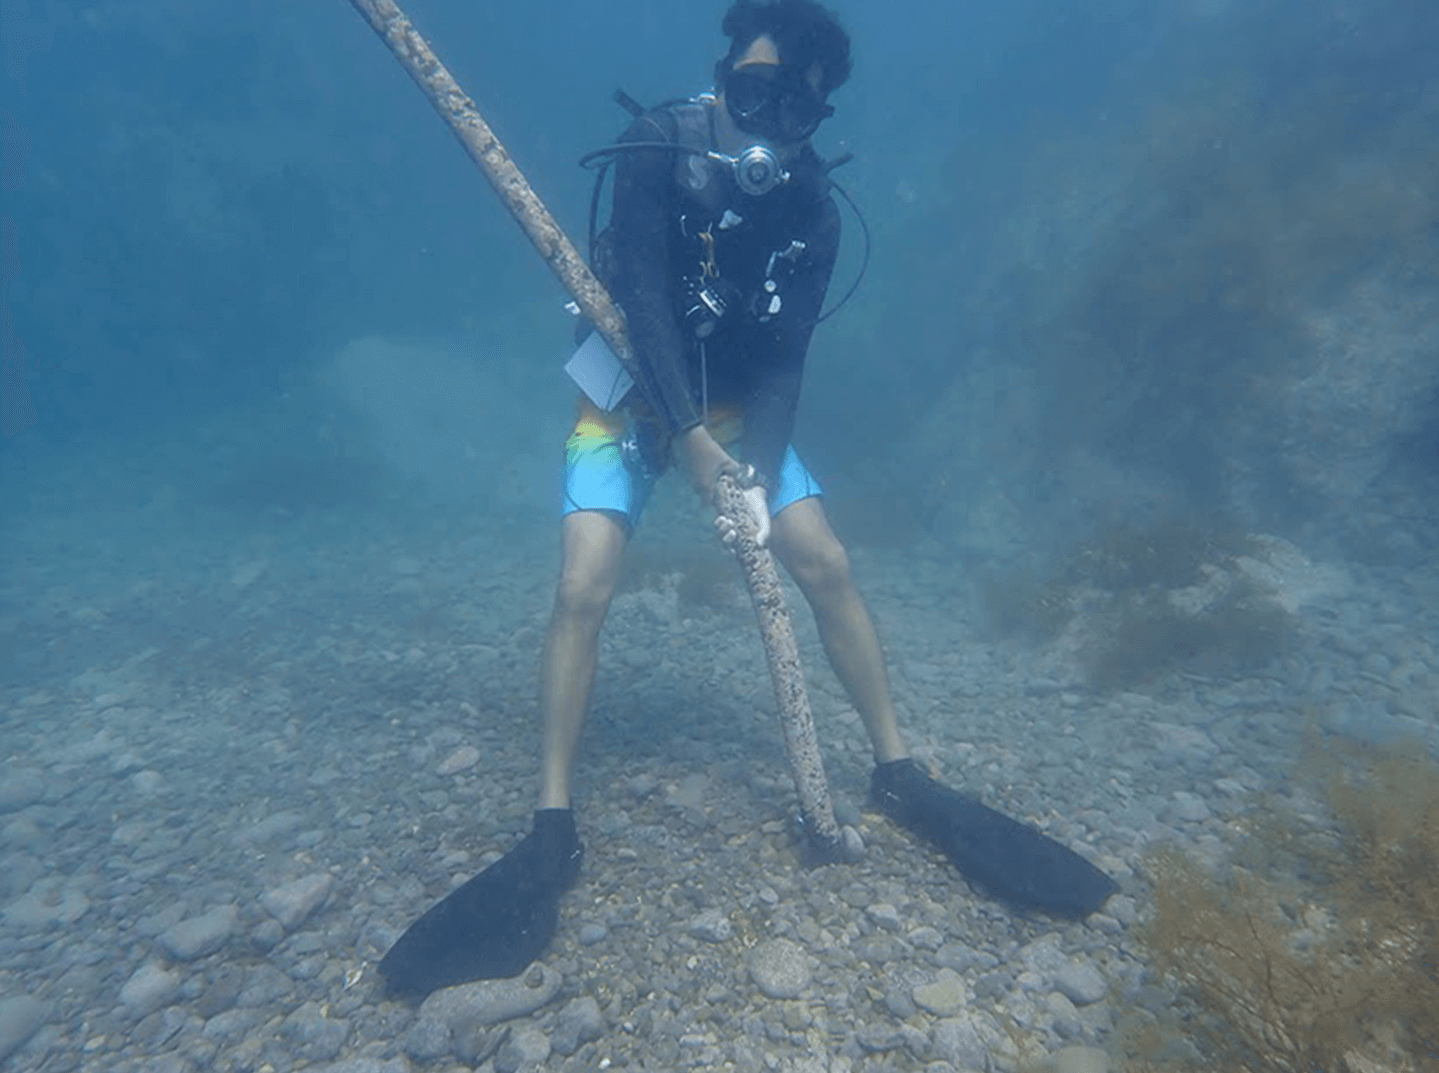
(243, 752)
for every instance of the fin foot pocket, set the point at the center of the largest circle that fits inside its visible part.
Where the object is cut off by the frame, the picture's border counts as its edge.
(497, 923)
(1010, 860)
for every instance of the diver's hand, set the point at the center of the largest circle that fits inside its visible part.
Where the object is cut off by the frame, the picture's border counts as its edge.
(754, 501)
(704, 459)
(756, 498)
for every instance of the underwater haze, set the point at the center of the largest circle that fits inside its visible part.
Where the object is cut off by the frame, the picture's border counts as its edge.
(1130, 430)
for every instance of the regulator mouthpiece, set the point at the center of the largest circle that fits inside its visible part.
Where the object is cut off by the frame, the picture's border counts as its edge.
(757, 170)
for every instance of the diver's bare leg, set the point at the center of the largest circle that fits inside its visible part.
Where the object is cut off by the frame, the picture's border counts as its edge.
(594, 543)
(804, 542)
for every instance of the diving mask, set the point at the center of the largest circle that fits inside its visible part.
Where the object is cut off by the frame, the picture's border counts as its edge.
(774, 102)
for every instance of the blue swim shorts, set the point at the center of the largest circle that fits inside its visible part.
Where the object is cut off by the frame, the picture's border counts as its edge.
(598, 478)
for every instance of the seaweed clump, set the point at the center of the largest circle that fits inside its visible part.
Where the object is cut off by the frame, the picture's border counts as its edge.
(1140, 600)
(1237, 628)
(1021, 602)
(1321, 957)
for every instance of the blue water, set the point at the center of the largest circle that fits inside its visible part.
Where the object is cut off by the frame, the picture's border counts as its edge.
(205, 201)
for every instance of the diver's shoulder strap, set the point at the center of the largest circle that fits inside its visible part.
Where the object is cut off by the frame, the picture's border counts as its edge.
(701, 180)
(690, 116)
(693, 122)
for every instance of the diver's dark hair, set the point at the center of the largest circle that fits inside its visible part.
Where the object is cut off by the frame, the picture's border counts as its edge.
(805, 32)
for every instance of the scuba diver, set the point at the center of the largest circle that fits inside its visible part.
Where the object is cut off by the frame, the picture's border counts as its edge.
(719, 248)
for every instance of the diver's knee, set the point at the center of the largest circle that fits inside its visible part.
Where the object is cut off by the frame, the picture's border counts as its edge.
(593, 547)
(583, 594)
(825, 567)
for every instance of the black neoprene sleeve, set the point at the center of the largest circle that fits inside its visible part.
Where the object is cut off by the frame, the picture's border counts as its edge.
(640, 221)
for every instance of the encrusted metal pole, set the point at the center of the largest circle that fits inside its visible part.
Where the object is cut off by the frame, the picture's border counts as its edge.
(479, 141)
(826, 842)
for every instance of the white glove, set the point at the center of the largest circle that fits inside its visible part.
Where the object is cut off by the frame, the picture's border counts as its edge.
(757, 500)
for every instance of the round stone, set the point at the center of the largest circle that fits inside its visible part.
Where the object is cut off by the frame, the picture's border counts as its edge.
(780, 968)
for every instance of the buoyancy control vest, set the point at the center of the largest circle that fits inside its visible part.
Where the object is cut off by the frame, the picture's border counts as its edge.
(709, 183)
(736, 249)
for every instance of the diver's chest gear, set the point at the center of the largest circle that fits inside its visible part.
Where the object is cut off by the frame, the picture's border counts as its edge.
(734, 255)
(707, 173)
(757, 170)
(708, 182)
(712, 300)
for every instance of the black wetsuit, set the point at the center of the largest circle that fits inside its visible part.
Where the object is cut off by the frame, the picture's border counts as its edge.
(650, 256)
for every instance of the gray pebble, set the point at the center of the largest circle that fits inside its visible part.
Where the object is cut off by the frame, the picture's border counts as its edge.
(1081, 982)
(592, 932)
(267, 935)
(474, 1043)
(20, 789)
(1105, 923)
(428, 1040)
(22, 832)
(125, 762)
(20, 1017)
(852, 844)
(991, 985)
(963, 958)
(898, 1000)
(149, 988)
(691, 791)
(712, 926)
(364, 1065)
(579, 1022)
(966, 1041)
(229, 1026)
(264, 986)
(643, 784)
(161, 1027)
(1124, 909)
(222, 991)
(147, 783)
(916, 1041)
(943, 997)
(926, 938)
(48, 902)
(846, 814)
(525, 1048)
(1079, 1060)
(312, 1035)
(308, 968)
(1065, 1018)
(463, 758)
(1181, 744)
(201, 935)
(877, 1038)
(780, 968)
(1043, 956)
(883, 914)
(292, 903)
(1190, 807)
(169, 1063)
(275, 825)
(489, 1002)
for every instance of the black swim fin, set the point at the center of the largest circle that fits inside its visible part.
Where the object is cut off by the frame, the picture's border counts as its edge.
(497, 923)
(1011, 860)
